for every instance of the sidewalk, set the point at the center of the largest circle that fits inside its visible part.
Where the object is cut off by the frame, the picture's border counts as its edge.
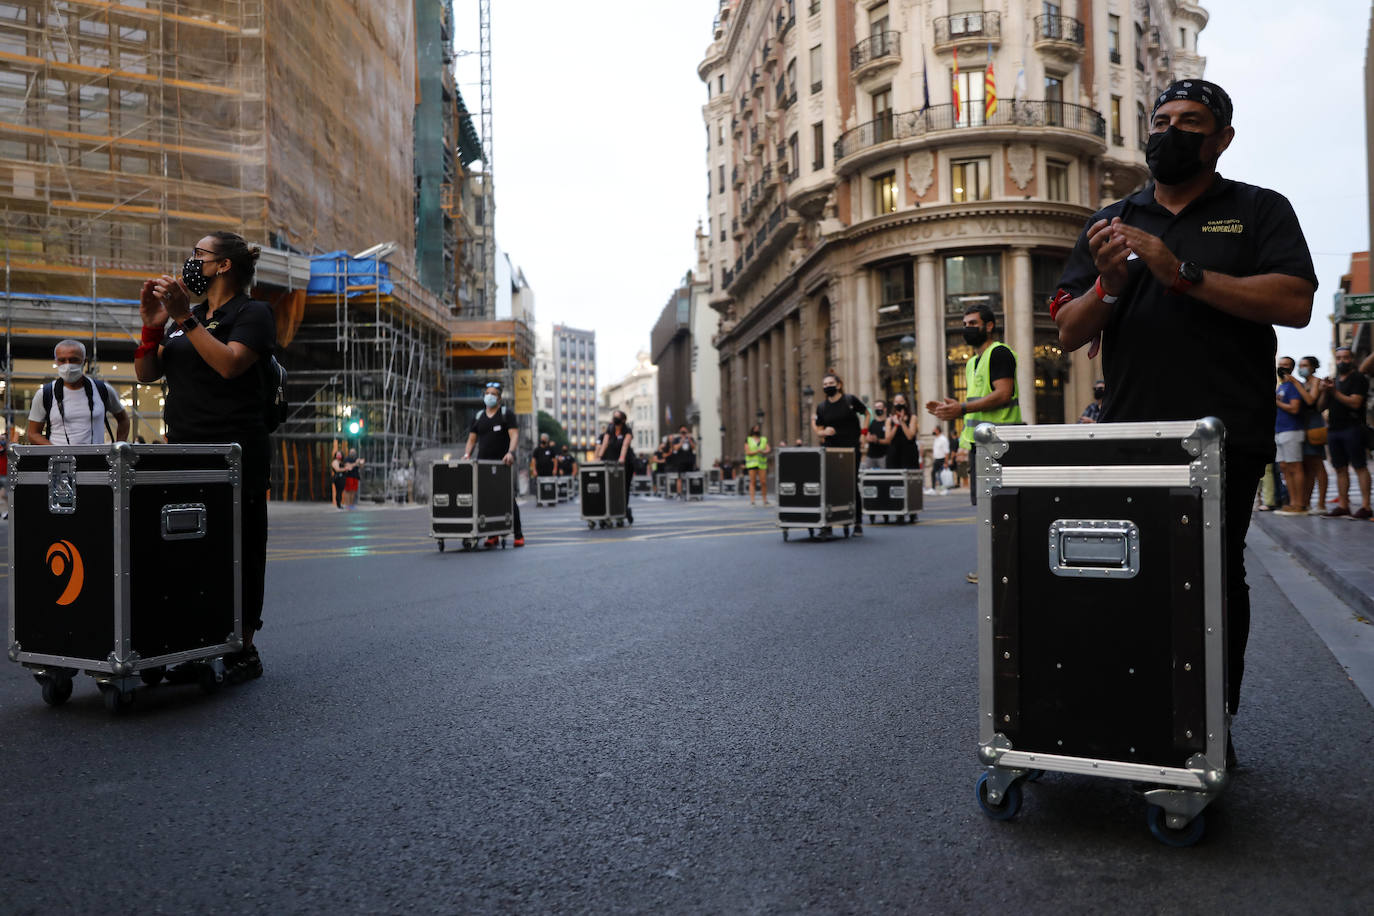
(1339, 552)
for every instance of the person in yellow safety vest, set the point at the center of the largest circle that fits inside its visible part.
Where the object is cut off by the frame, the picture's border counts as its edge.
(756, 451)
(993, 395)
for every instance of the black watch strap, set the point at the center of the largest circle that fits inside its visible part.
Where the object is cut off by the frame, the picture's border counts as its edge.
(188, 323)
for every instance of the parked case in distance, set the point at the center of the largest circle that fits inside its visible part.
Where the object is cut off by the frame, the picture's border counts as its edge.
(546, 491)
(107, 568)
(565, 488)
(816, 489)
(471, 500)
(601, 487)
(891, 492)
(641, 485)
(694, 485)
(1102, 630)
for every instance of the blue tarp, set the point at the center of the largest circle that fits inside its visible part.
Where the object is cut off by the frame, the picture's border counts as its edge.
(79, 300)
(332, 272)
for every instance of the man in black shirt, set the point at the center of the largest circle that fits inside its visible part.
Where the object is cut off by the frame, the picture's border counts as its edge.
(493, 436)
(1194, 269)
(545, 458)
(1344, 398)
(837, 424)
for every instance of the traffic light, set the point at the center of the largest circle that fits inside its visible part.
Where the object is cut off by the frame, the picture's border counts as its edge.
(355, 426)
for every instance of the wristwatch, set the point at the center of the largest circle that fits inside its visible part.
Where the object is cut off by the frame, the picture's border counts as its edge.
(188, 323)
(1189, 275)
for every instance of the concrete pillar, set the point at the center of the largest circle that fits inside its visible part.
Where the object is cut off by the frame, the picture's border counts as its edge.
(930, 346)
(777, 374)
(791, 387)
(1021, 329)
(865, 383)
(738, 428)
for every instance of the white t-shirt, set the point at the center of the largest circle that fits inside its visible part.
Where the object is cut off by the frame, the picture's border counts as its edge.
(78, 424)
(941, 447)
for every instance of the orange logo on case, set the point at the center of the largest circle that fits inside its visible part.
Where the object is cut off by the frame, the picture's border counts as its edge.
(62, 555)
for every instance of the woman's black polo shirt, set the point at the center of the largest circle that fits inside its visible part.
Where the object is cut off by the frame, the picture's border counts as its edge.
(1172, 357)
(202, 405)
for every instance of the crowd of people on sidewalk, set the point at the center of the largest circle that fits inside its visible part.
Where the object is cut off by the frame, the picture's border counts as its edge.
(1320, 420)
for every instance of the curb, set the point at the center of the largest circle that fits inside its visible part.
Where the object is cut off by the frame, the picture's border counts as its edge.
(1287, 538)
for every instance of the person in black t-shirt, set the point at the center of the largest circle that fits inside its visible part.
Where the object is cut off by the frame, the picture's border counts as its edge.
(544, 460)
(838, 424)
(566, 466)
(616, 445)
(493, 436)
(1194, 269)
(1344, 398)
(212, 361)
(873, 437)
(899, 436)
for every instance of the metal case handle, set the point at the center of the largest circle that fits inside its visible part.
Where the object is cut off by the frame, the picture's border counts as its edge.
(1094, 548)
(62, 485)
(183, 521)
(441, 500)
(787, 489)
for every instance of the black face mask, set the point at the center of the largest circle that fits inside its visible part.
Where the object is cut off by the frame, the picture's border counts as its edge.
(1099, 394)
(194, 277)
(1343, 367)
(1174, 155)
(830, 391)
(975, 337)
(1282, 372)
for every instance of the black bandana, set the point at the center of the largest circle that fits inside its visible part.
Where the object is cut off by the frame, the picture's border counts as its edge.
(1209, 94)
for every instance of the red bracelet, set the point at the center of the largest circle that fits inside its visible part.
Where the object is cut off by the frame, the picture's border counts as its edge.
(153, 335)
(1106, 297)
(144, 349)
(1058, 301)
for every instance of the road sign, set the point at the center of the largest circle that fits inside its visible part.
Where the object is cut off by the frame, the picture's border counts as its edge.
(1357, 307)
(524, 391)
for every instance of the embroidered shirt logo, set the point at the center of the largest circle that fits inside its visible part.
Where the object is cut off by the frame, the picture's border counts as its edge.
(1224, 226)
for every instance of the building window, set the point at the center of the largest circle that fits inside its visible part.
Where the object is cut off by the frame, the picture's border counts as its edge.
(971, 179)
(720, 183)
(1140, 47)
(792, 78)
(1142, 125)
(885, 194)
(971, 85)
(720, 132)
(972, 279)
(882, 115)
(721, 87)
(1116, 120)
(1114, 37)
(1057, 180)
(815, 70)
(1054, 100)
(793, 156)
(722, 227)
(1183, 39)
(817, 147)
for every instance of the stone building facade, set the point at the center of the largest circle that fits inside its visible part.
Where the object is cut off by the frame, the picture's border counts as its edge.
(857, 210)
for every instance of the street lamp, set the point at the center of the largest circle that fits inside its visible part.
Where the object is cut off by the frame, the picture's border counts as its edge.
(908, 345)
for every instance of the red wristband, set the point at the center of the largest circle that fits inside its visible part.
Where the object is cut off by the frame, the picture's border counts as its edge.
(1102, 293)
(153, 335)
(144, 349)
(1058, 301)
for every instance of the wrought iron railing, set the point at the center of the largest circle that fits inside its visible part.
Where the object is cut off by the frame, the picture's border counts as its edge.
(884, 44)
(1058, 28)
(983, 24)
(900, 312)
(1009, 113)
(957, 303)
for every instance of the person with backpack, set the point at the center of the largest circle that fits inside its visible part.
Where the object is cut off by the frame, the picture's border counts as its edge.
(223, 385)
(74, 409)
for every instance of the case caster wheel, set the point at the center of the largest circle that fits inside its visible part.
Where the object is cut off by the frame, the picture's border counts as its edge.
(887, 519)
(152, 676)
(1179, 837)
(116, 701)
(846, 531)
(784, 535)
(591, 526)
(1034, 775)
(56, 690)
(1004, 809)
(469, 543)
(441, 545)
(210, 680)
(620, 523)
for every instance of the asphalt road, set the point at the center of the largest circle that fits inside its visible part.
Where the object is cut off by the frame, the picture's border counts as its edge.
(685, 716)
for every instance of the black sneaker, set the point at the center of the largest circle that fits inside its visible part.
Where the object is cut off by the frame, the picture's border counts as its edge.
(243, 666)
(858, 531)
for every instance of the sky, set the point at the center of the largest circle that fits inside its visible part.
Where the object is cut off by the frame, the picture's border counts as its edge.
(600, 148)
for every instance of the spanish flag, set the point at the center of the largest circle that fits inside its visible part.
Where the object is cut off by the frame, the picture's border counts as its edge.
(957, 108)
(989, 89)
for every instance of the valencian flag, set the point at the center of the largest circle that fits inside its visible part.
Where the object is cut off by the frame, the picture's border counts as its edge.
(957, 109)
(989, 89)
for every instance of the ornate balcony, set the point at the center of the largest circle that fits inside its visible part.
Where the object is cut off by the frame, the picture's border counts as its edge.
(1061, 36)
(874, 54)
(1010, 115)
(977, 28)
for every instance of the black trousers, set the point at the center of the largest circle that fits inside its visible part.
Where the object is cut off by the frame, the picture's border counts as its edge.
(1243, 473)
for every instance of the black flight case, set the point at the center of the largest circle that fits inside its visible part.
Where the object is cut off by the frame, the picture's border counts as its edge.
(694, 485)
(816, 490)
(124, 561)
(471, 500)
(1101, 614)
(601, 486)
(894, 492)
(545, 491)
(641, 485)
